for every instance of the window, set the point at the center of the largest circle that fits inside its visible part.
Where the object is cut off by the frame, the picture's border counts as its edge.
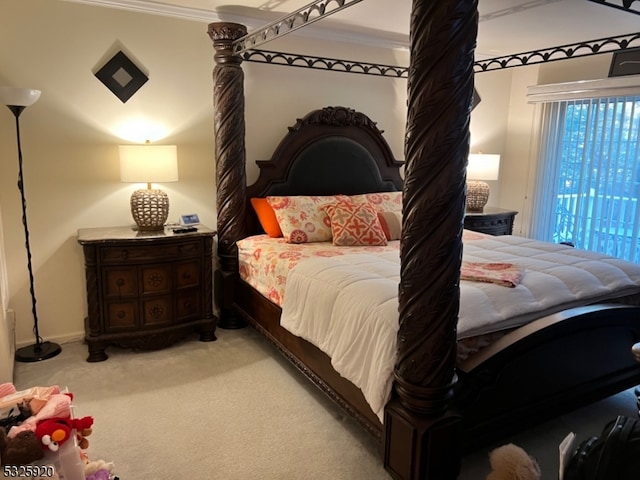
(588, 181)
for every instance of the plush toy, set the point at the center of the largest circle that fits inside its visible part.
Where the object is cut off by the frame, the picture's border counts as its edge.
(510, 462)
(21, 450)
(98, 470)
(83, 428)
(96, 465)
(57, 406)
(54, 432)
(99, 475)
(16, 415)
(35, 396)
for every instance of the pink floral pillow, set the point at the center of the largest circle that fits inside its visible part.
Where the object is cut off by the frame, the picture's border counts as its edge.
(355, 225)
(302, 219)
(382, 202)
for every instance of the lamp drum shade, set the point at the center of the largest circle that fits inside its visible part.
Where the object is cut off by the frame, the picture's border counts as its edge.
(147, 164)
(483, 166)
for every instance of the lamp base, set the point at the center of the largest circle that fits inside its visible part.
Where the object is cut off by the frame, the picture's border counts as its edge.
(477, 195)
(37, 352)
(150, 209)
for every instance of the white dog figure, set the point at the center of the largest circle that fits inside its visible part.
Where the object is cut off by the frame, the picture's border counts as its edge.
(510, 462)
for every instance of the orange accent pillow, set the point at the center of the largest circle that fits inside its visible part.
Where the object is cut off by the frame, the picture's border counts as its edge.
(267, 217)
(355, 225)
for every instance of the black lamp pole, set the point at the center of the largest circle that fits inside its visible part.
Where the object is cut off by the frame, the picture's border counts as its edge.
(39, 350)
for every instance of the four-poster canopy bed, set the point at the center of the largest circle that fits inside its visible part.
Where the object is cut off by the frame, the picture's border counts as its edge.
(439, 406)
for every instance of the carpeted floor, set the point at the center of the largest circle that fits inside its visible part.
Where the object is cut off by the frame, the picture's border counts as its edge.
(234, 409)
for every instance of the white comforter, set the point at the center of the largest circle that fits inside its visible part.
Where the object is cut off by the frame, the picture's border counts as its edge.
(348, 307)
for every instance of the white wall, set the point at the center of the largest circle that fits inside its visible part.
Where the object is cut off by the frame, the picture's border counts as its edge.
(489, 122)
(7, 347)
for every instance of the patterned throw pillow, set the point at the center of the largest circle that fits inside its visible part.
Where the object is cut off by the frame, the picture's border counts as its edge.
(391, 223)
(355, 225)
(382, 202)
(302, 219)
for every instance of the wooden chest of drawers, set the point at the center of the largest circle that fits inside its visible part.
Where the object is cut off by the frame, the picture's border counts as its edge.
(146, 290)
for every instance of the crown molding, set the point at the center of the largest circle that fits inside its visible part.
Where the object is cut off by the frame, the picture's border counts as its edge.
(338, 32)
(145, 6)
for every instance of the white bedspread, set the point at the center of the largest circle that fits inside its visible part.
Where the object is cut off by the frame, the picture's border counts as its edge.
(348, 307)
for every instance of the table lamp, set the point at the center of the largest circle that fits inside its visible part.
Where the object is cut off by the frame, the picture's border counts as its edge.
(149, 164)
(481, 167)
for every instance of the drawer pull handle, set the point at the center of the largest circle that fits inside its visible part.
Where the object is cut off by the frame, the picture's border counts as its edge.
(124, 254)
(186, 275)
(120, 282)
(121, 314)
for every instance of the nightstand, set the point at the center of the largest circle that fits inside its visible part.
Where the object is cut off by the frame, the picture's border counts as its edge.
(492, 220)
(146, 290)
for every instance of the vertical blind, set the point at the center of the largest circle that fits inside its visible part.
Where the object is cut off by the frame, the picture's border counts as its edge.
(588, 179)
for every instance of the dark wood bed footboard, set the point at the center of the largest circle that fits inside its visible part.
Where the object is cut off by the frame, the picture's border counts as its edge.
(546, 368)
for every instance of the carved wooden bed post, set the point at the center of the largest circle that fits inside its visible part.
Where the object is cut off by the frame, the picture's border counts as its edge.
(229, 133)
(421, 433)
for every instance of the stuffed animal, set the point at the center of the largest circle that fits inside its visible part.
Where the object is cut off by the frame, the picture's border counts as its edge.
(510, 462)
(54, 432)
(96, 465)
(103, 474)
(20, 450)
(98, 470)
(57, 406)
(16, 415)
(83, 428)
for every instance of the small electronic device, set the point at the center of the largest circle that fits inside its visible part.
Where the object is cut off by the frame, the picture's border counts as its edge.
(190, 219)
(185, 229)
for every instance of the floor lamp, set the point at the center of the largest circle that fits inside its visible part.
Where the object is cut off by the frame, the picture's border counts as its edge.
(17, 99)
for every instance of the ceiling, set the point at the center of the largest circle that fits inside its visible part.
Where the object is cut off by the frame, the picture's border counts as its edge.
(506, 26)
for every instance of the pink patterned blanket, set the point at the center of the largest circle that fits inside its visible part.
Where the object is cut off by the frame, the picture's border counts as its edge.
(500, 273)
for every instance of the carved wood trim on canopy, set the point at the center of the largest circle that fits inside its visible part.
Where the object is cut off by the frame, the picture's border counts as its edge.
(563, 52)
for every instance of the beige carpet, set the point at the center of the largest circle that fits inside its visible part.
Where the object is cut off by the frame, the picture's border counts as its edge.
(234, 409)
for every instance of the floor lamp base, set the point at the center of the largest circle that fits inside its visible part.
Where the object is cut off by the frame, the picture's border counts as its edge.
(37, 352)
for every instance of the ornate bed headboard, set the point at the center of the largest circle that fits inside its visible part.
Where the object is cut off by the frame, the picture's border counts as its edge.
(330, 151)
